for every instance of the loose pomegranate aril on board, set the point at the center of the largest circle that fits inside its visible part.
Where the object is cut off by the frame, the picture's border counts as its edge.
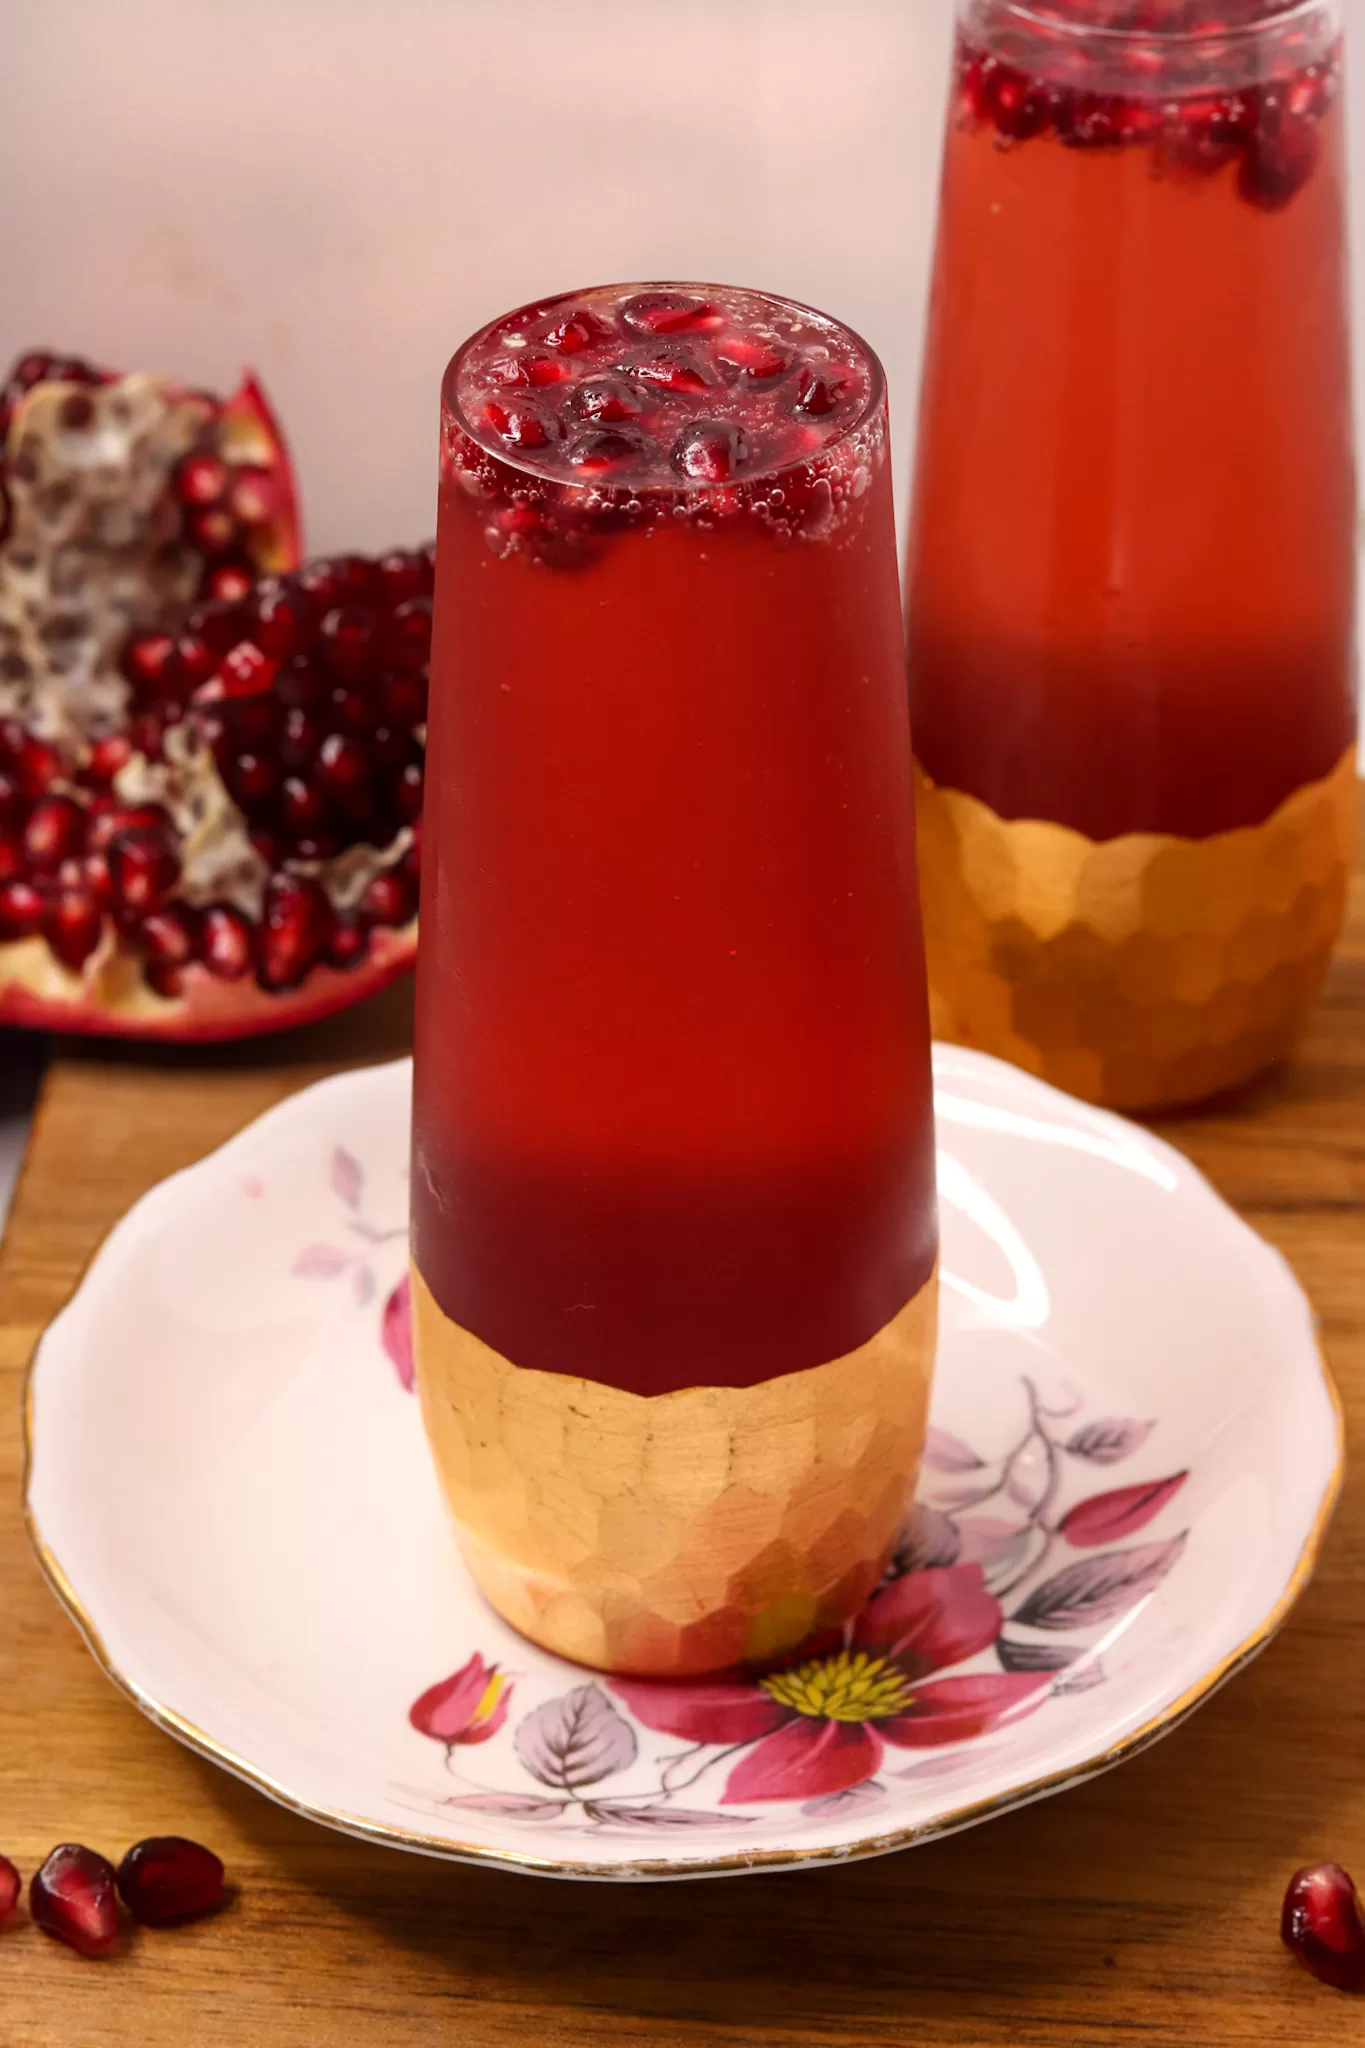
(10, 1887)
(167, 1879)
(1322, 1924)
(73, 1898)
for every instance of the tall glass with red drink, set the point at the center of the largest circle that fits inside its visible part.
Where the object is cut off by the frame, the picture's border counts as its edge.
(674, 1233)
(1132, 567)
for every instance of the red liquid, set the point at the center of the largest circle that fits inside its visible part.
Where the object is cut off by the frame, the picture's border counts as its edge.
(673, 1121)
(1131, 576)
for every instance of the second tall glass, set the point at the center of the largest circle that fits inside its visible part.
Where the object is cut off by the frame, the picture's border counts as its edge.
(674, 1230)
(1131, 575)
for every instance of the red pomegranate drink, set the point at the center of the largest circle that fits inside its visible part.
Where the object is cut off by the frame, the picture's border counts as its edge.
(1131, 573)
(674, 1231)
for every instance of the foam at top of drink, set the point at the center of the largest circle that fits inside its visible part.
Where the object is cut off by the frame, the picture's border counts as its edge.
(676, 386)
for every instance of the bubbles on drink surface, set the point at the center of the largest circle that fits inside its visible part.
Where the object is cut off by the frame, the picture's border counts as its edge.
(639, 406)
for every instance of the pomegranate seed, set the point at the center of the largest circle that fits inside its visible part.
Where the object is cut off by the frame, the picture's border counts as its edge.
(270, 847)
(168, 936)
(574, 332)
(35, 763)
(282, 624)
(94, 872)
(668, 369)
(710, 451)
(109, 819)
(253, 780)
(194, 661)
(531, 367)
(300, 738)
(229, 582)
(167, 1879)
(213, 530)
(166, 981)
(817, 395)
(9, 1887)
(606, 401)
(107, 756)
(403, 699)
(323, 847)
(55, 832)
(12, 805)
(517, 425)
(349, 943)
(11, 861)
(253, 722)
(72, 924)
(222, 625)
(145, 658)
(295, 928)
(387, 899)
(21, 910)
(342, 764)
(403, 575)
(350, 641)
(757, 362)
(226, 942)
(253, 495)
(201, 479)
(352, 709)
(1278, 161)
(243, 672)
(72, 1897)
(1020, 107)
(143, 869)
(669, 313)
(605, 448)
(1322, 1923)
(407, 644)
(304, 810)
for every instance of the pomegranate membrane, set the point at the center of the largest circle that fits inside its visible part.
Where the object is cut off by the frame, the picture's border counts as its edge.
(672, 1119)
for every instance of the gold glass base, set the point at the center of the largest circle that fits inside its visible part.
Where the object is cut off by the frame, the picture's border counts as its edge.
(674, 1534)
(1135, 971)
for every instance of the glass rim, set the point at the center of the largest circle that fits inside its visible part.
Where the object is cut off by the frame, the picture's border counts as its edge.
(1082, 31)
(524, 461)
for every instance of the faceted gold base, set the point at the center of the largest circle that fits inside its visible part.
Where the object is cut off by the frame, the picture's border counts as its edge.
(681, 1533)
(1140, 970)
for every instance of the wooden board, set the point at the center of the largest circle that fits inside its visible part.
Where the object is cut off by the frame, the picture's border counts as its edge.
(1142, 1907)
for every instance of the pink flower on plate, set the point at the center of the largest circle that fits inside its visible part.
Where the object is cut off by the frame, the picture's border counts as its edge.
(470, 1706)
(820, 1724)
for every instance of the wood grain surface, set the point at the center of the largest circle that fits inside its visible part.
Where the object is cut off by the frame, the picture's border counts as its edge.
(1141, 1907)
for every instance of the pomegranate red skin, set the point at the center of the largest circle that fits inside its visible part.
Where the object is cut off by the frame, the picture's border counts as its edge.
(10, 1887)
(73, 1899)
(1323, 1926)
(167, 1879)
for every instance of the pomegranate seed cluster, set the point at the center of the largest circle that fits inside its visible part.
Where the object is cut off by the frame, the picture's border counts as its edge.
(1265, 132)
(75, 1895)
(256, 813)
(638, 406)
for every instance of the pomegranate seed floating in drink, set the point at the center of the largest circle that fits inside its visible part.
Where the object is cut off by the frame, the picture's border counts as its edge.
(1130, 584)
(673, 1188)
(203, 768)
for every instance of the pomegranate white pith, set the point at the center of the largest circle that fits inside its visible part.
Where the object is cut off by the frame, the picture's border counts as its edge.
(210, 778)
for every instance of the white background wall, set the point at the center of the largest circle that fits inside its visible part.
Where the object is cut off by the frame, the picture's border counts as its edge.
(339, 190)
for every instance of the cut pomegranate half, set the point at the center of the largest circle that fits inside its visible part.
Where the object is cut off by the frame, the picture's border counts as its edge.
(253, 860)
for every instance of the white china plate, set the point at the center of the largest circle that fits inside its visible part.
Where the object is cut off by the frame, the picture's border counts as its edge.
(1134, 1454)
